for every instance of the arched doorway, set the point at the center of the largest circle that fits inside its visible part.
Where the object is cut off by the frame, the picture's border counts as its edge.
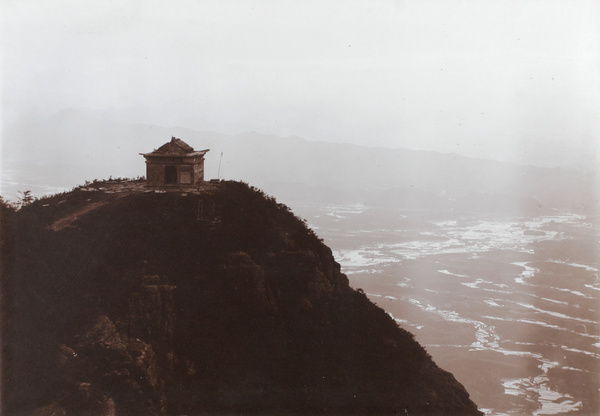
(170, 175)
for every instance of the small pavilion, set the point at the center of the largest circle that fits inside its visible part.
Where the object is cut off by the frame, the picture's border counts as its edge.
(175, 164)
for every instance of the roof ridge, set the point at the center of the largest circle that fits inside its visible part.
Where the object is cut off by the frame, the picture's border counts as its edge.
(181, 144)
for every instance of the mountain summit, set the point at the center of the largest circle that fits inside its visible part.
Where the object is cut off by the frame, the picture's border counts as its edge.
(123, 301)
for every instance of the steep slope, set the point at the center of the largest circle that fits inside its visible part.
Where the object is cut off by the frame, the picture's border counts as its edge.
(123, 302)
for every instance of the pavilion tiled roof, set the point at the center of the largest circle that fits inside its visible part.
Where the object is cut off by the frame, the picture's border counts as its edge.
(175, 147)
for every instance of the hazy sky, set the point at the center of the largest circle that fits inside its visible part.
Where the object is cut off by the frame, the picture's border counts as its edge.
(513, 80)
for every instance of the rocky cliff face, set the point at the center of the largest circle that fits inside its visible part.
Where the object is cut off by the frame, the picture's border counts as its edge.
(213, 302)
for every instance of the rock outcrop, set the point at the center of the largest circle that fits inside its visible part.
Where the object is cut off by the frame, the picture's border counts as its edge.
(215, 302)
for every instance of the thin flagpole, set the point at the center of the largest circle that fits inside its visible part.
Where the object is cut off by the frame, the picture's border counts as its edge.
(219, 172)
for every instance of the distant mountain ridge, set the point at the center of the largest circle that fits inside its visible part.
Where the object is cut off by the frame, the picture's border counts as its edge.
(71, 147)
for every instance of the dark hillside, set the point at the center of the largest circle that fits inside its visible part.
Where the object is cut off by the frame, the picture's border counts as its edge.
(129, 303)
